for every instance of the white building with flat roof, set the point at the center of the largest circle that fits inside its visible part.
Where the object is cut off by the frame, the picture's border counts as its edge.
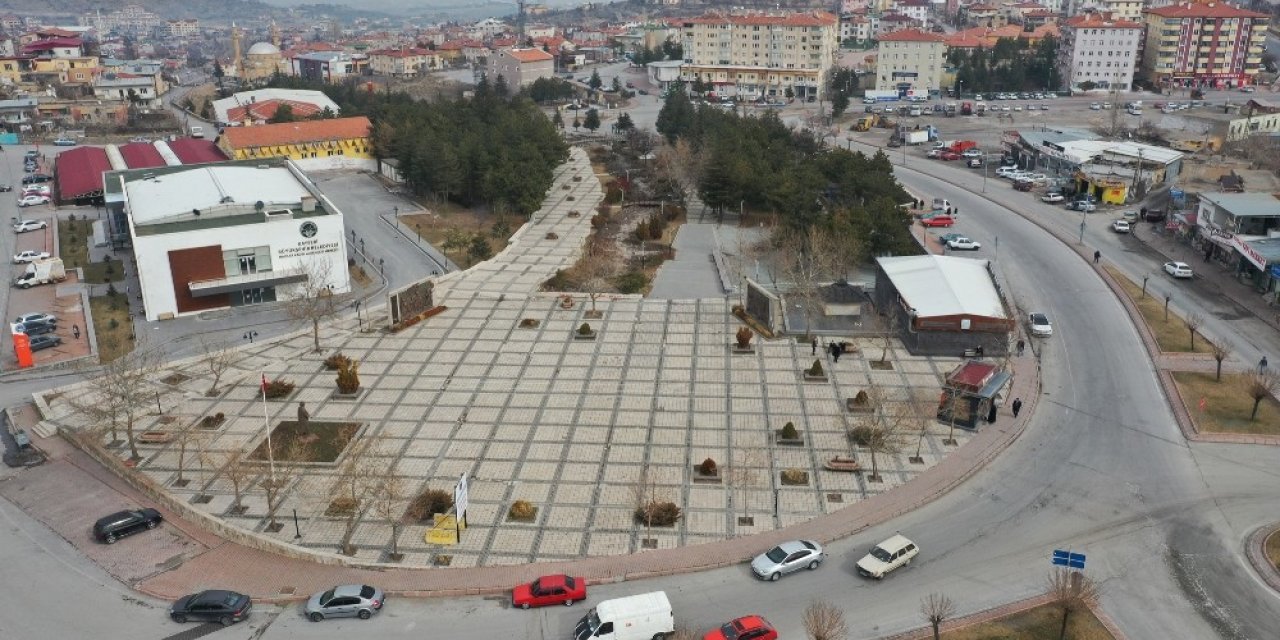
(227, 234)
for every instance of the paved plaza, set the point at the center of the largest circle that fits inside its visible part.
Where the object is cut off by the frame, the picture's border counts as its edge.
(570, 425)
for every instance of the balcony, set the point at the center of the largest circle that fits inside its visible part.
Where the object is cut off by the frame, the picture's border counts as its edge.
(240, 282)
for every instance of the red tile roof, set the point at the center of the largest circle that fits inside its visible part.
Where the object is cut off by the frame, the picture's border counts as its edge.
(141, 155)
(530, 55)
(266, 109)
(815, 19)
(297, 132)
(1203, 9)
(195, 151)
(402, 53)
(1099, 21)
(912, 35)
(79, 172)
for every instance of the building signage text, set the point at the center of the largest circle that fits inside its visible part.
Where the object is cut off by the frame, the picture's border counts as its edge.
(308, 248)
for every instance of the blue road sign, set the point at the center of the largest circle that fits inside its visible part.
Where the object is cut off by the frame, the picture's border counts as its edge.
(1068, 559)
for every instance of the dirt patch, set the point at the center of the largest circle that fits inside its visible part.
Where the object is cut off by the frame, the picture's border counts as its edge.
(1226, 404)
(321, 442)
(112, 326)
(1041, 623)
(1172, 334)
(358, 275)
(1273, 549)
(450, 228)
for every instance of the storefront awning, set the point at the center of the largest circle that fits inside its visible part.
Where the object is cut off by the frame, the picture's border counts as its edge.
(217, 286)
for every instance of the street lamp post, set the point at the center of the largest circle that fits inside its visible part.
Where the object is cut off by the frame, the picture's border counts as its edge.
(250, 336)
(359, 321)
(1083, 213)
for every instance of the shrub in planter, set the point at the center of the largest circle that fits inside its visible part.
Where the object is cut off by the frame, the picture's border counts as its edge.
(795, 477)
(349, 377)
(862, 399)
(658, 514)
(789, 431)
(708, 467)
(861, 435)
(816, 370)
(631, 282)
(522, 510)
(209, 422)
(336, 362)
(744, 336)
(584, 330)
(429, 502)
(279, 388)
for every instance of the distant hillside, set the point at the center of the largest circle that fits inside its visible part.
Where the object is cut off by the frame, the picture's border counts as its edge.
(216, 10)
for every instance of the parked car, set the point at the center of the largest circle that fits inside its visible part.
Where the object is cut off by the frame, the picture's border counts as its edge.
(1094, 106)
(938, 221)
(346, 601)
(64, 142)
(1053, 197)
(786, 558)
(887, 556)
(1040, 325)
(948, 237)
(1083, 205)
(110, 528)
(934, 153)
(744, 628)
(32, 200)
(949, 155)
(1023, 184)
(216, 605)
(31, 154)
(36, 327)
(30, 256)
(1035, 177)
(36, 178)
(549, 590)
(974, 163)
(1120, 226)
(45, 341)
(23, 226)
(1178, 269)
(972, 153)
(36, 317)
(963, 244)
(1130, 216)
(6, 187)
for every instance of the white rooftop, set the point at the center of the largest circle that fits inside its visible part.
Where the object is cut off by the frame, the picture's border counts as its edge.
(152, 200)
(318, 98)
(944, 285)
(1081, 151)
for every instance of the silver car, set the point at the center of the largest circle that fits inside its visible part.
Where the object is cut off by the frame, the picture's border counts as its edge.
(347, 601)
(786, 558)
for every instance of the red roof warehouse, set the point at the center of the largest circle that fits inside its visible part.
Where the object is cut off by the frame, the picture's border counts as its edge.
(79, 173)
(141, 155)
(196, 151)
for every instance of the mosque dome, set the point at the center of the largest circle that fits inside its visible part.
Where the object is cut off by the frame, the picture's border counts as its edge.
(263, 49)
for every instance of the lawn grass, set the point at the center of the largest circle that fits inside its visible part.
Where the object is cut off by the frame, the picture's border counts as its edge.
(434, 228)
(116, 341)
(73, 242)
(1273, 549)
(1040, 623)
(1227, 404)
(104, 272)
(1171, 335)
(322, 441)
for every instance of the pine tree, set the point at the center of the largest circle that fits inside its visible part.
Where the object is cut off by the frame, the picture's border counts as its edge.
(593, 120)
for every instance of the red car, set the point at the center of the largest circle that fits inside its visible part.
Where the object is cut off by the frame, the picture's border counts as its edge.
(548, 590)
(744, 628)
(938, 221)
(949, 155)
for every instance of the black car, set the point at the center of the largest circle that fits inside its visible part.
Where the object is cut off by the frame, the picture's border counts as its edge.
(45, 341)
(125, 523)
(6, 187)
(36, 178)
(212, 606)
(39, 327)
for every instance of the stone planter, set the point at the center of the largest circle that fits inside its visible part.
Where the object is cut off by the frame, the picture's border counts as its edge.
(530, 323)
(808, 377)
(593, 314)
(737, 348)
(797, 441)
(800, 479)
(575, 213)
(882, 365)
(854, 407)
(584, 336)
(347, 397)
(551, 235)
(699, 478)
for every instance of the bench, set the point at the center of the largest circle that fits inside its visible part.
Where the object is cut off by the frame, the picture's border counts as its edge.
(975, 352)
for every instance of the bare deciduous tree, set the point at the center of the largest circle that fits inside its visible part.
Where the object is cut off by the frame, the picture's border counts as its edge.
(680, 165)
(883, 436)
(312, 300)
(387, 501)
(184, 436)
(238, 472)
(937, 608)
(824, 621)
(123, 391)
(357, 478)
(744, 466)
(1260, 386)
(806, 260)
(1220, 352)
(1072, 591)
(218, 357)
(1193, 321)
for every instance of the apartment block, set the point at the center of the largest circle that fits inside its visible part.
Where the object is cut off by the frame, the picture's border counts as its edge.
(1205, 43)
(761, 54)
(910, 60)
(1100, 49)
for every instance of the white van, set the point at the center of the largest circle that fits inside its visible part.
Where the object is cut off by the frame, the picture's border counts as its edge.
(197, 131)
(641, 617)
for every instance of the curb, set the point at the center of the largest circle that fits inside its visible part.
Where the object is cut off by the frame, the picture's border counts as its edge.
(1004, 611)
(1256, 550)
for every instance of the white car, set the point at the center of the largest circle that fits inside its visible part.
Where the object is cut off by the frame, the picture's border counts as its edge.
(895, 552)
(1120, 226)
(23, 226)
(1106, 105)
(1093, 106)
(1177, 269)
(868, 101)
(32, 200)
(36, 189)
(1053, 197)
(36, 317)
(1035, 177)
(30, 256)
(963, 244)
(972, 153)
(1040, 325)
(1005, 172)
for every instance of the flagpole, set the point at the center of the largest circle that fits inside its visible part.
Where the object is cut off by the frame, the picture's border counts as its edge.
(266, 422)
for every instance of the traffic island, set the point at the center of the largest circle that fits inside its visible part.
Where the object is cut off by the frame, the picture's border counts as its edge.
(1227, 405)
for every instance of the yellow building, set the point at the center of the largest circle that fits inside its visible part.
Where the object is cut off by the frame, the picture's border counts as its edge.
(70, 70)
(334, 143)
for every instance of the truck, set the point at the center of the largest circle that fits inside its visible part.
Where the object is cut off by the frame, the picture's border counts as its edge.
(41, 272)
(915, 137)
(966, 108)
(866, 122)
(960, 146)
(638, 617)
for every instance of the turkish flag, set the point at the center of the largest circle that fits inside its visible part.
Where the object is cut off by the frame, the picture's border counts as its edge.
(264, 383)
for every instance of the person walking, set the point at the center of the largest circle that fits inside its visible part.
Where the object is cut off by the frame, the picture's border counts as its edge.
(1022, 344)
(75, 331)
(1262, 365)
(1097, 255)
(1017, 406)
(813, 351)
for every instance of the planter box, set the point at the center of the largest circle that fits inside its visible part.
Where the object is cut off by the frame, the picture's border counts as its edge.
(744, 350)
(841, 463)
(885, 365)
(347, 397)
(698, 478)
(812, 378)
(859, 408)
(797, 441)
(530, 323)
(802, 482)
(584, 336)
(154, 437)
(593, 314)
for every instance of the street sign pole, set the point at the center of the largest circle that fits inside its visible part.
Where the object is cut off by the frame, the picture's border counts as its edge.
(1067, 559)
